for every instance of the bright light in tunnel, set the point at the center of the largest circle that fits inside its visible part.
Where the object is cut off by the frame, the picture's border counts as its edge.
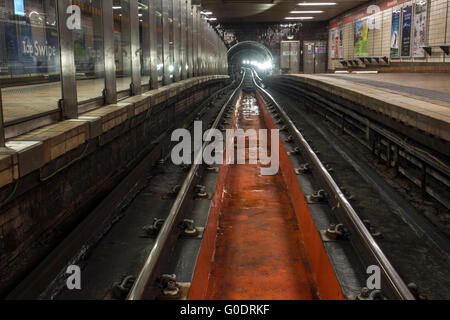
(266, 65)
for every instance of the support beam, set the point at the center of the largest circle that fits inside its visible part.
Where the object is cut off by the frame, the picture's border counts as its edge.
(183, 36)
(166, 44)
(176, 40)
(110, 92)
(154, 84)
(133, 29)
(190, 40)
(69, 99)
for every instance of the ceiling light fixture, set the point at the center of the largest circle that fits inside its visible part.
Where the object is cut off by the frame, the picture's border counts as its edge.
(316, 4)
(299, 18)
(300, 12)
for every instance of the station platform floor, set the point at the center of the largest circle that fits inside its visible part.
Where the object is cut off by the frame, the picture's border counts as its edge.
(30, 100)
(420, 100)
(426, 94)
(431, 86)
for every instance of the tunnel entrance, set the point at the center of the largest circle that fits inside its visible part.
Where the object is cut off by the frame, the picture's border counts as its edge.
(249, 53)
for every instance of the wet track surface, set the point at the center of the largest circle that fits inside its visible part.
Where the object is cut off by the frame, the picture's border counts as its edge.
(258, 253)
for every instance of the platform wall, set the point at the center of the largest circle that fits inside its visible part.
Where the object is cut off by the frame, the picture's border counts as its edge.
(437, 32)
(81, 162)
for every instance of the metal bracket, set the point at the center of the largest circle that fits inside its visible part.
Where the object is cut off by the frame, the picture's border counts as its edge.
(289, 139)
(172, 193)
(366, 294)
(120, 290)
(334, 232)
(153, 229)
(293, 152)
(303, 169)
(373, 231)
(171, 289)
(317, 197)
(201, 193)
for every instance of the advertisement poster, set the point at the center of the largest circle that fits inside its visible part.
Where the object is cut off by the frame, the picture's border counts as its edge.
(361, 38)
(333, 45)
(336, 44)
(31, 49)
(19, 8)
(395, 33)
(321, 47)
(406, 31)
(341, 43)
(420, 22)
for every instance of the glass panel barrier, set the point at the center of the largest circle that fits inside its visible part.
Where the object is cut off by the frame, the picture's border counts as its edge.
(159, 39)
(122, 44)
(29, 58)
(88, 50)
(171, 46)
(144, 37)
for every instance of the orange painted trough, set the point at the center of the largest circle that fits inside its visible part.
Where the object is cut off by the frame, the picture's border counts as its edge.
(260, 242)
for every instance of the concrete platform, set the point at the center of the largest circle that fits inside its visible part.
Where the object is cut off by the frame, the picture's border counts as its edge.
(30, 100)
(49, 142)
(418, 100)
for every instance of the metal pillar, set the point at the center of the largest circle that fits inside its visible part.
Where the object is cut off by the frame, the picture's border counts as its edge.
(166, 45)
(110, 92)
(190, 40)
(184, 32)
(154, 83)
(135, 49)
(68, 102)
(176, 40)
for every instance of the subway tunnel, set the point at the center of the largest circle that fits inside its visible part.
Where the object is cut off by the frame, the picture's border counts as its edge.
(198, 150)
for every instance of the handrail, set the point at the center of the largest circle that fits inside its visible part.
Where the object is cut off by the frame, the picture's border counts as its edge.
(395, 283)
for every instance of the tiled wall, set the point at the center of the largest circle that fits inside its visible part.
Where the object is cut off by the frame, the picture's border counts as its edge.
(438, 32)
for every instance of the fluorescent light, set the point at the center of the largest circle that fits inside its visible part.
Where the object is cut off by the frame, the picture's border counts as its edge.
(316, 4)
(211, 19)
(206, 13)
(300, 12)
(299, 18)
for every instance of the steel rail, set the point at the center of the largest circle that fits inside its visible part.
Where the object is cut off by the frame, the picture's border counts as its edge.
(161, 246)
(393, 285)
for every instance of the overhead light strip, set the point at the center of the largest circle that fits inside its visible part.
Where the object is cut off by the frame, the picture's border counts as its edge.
(316, 3)
(299, 18)
(311, 11)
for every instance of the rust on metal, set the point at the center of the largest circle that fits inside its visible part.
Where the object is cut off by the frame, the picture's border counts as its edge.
(260, 241)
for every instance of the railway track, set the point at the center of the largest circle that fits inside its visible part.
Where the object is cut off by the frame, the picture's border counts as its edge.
(425, 165)
(46, 279)
(415, 246)
(249, 105)
(392, 285)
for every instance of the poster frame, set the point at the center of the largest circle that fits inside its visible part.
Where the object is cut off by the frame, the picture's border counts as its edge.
(360, 54)
(426, 27)
(411, 5)
(399, 35)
